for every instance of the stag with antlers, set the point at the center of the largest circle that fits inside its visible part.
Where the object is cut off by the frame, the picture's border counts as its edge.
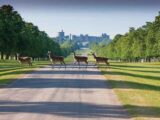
(100, 59)
(24, 60)
(55, 59)
(79, 59)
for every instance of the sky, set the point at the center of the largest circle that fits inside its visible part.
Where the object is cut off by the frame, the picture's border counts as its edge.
(92, 17)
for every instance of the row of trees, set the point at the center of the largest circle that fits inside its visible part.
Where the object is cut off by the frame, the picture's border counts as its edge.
(138, 44)
(69, 46)
(18, 36)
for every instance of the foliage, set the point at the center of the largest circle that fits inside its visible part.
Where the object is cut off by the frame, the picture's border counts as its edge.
(10, 70)
(69, 46)
(137, 86)
(137, 44)
(18, 36)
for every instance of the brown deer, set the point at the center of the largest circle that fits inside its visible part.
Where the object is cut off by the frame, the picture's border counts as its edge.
(24, 60)
(80, 59)
(100, 59)
(55, 59)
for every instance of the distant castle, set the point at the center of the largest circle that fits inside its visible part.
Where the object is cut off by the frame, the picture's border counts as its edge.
(81, 38)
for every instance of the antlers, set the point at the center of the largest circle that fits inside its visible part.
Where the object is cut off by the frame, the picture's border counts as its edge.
(54, 59)
(24, 60)
(80, 59)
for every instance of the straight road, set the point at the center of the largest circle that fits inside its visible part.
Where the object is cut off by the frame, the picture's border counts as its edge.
(61, 94)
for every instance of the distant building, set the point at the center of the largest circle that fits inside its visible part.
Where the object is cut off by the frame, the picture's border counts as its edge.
(105, 36)
(88, 38)
(82, 38)
(61, 36)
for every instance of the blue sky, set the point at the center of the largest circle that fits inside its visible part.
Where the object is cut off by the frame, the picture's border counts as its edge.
(92, 17)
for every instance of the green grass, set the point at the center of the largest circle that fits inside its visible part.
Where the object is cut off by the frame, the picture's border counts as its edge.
(70, 58)
(11, 70)
(137, 86)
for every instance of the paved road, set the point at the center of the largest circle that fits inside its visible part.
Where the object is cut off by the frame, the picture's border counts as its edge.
(59, 94)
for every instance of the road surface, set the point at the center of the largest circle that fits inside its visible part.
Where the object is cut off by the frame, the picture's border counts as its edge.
(61, 94)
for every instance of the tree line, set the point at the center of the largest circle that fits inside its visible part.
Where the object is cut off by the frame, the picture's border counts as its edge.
(18, 36)
(141, 44)
(69, 46)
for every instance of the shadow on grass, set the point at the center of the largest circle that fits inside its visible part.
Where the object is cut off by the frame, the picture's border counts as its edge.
(16, 71)
(9, 69)
(133, 85)
(143, 111)
(131, 66)
(147, 71)
(132, 75)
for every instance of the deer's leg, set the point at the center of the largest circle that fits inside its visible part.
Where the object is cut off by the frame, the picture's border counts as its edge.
(21, 65)
(60, 64)
(31, 63)
(74, 64)
(107, 64)
(79, 64)
(53, 64)
(86, 63)
(96, 63)
(64, 64)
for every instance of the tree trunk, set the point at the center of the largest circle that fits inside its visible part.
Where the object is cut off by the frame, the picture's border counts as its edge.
(15, 57)
(7, 56)
(2, 56)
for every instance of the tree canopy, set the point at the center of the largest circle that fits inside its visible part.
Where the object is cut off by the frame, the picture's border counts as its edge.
(136, 44)
(18, 36)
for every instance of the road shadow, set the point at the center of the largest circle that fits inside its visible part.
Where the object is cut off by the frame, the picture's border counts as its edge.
(72, 72)
(71, 65)
(67, 109)
(80, 83)
(59, 83)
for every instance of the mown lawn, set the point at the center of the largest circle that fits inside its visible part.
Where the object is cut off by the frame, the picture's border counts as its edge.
(137, 86)
(70, 58)
(10, 70)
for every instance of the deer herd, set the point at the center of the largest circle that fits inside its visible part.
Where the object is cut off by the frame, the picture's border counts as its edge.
(54, 59)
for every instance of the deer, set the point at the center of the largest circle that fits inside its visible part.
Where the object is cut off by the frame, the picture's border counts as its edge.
(53, 59)
(24, 60)
(80, 59)
(100, 59)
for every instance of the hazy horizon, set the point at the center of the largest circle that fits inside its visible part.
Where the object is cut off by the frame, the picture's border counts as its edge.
(92, 17)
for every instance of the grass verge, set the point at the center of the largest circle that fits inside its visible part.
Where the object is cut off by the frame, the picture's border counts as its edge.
(11, 70)
(137, 86)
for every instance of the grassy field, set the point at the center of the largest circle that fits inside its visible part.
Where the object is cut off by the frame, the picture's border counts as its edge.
(137, 86)
(70, 59)
(10, 70)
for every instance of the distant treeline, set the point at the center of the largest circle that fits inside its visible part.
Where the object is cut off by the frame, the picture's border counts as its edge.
(18, 36)
(141, 44)
(69, 46)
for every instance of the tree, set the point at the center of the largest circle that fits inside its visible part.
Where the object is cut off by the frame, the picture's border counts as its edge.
(10, 26)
